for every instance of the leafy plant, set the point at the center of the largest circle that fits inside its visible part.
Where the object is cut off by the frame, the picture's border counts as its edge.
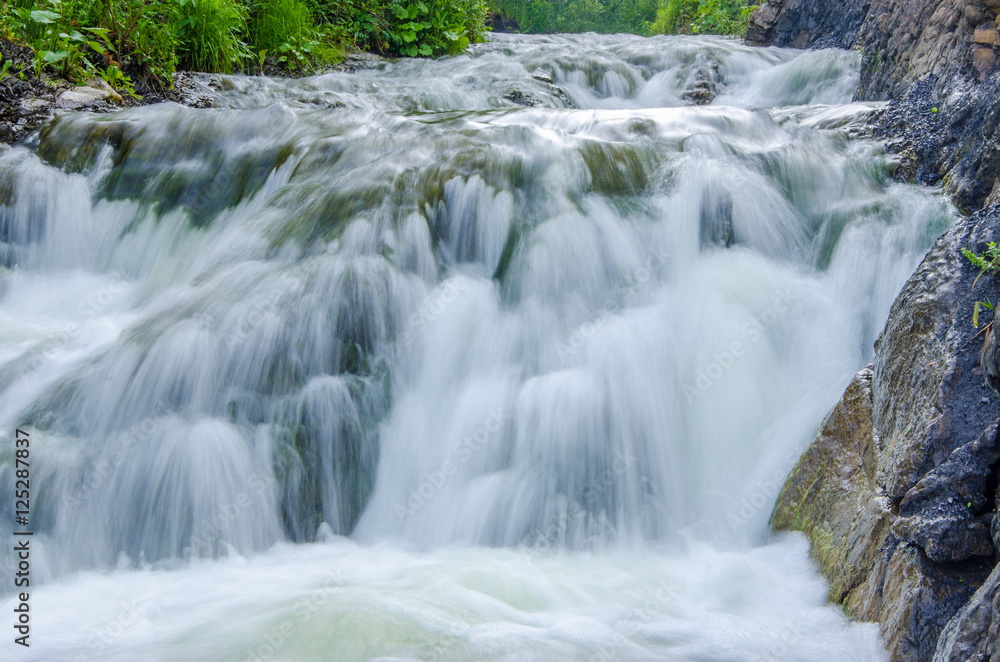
(435, 28)
(114, 77)
(729, 17)
(605, 16)
(989, 261)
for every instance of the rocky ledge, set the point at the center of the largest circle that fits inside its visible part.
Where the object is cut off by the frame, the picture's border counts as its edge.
(27, 102)
(898, 493)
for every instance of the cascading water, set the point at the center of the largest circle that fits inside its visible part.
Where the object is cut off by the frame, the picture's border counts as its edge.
(496, 357)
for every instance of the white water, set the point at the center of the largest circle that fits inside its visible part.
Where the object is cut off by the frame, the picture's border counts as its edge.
(546, 366)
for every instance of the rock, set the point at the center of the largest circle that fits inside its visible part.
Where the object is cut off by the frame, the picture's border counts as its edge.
(983, 60)
(989, 358)
(78, 97)
(973, 635)
(35, 105)
(987, 37)
(898, 492)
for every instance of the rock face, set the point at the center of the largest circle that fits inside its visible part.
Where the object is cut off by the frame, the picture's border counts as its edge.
(903, 40)
(898, 493)
(929, 54)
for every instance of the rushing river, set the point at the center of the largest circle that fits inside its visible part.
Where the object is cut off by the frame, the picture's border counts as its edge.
(496, 357)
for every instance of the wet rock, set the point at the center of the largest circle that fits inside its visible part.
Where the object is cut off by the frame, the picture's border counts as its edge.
(699, 94)
(973, 635)
(898, 493)
(989, 358)
(987, 37)
(519, 98)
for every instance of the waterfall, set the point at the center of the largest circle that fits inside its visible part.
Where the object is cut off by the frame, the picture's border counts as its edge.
(501, 356)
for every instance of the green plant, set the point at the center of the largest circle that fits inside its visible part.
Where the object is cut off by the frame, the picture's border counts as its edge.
(144, 33)
(437, 27)
(210, 35)
(277, 22)
(729, 17)
(114, 77)
(988, 261)
(4, 70)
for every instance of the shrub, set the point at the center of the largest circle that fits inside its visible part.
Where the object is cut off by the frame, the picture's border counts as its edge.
(605, 16)
(728, 17)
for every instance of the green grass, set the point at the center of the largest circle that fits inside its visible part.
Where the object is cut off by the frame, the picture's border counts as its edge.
(211, 35)
(280, 22)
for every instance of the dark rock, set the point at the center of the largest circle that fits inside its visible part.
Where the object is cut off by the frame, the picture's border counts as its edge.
(989, 358)
(973, 635)
(898, 493)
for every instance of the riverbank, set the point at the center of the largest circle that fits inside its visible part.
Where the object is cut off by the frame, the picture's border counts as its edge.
(29, 101)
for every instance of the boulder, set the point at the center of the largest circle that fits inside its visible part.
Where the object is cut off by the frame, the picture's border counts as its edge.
(898, 492)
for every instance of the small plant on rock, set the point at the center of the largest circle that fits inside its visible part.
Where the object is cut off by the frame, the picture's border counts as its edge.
(988, 261)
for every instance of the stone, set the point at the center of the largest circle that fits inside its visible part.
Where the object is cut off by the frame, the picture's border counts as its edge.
(986, 37)
(989, 353)
(34, 105)
(897, 493)
(81, 97)
(973, 635)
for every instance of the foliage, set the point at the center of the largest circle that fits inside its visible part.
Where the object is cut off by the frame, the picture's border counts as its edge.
(408, 27)
(605, 16)
(437, 27)
(210, 35)
(988, 261)
(118, 40)
(729, 17)
(280, 22)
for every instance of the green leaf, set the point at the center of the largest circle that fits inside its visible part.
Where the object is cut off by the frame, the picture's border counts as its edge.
(44, 17)
(975, 316)
(97, 47)
(54, 56)
(426, 50)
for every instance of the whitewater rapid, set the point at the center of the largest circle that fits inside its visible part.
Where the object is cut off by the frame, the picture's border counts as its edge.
(501, 356)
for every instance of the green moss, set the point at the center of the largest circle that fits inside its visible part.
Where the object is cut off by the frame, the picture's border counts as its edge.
(618, 169)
